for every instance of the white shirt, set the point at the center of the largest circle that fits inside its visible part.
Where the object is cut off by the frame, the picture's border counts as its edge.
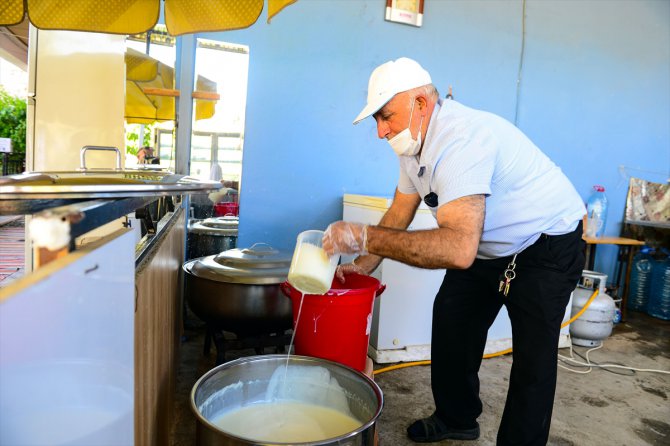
(468, 152)
(215, 172)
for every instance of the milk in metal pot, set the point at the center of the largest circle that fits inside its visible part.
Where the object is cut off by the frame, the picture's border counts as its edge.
(301, 404)
(286, 422)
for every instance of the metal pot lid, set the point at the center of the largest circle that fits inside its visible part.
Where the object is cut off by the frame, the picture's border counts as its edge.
(259, 256)
(209, 268)
(225, 222)
(201, 228)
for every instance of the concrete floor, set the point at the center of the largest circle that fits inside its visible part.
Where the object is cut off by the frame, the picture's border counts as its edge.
(598, 408)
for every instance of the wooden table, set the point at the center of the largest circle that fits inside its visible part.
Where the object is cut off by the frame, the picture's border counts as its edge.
(627, 248)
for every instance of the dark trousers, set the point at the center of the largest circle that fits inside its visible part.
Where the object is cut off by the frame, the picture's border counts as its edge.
(465, 307)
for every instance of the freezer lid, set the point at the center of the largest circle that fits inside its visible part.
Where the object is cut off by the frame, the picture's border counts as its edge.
(374, 202)
(368, 200)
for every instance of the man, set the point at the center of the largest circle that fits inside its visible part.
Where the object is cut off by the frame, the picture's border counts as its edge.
(145, 155)
(509, 233)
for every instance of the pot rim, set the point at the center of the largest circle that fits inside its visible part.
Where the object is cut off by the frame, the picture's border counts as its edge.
(200, 229)
(375, 387)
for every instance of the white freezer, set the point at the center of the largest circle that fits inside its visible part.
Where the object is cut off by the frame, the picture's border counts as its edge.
(401, 324)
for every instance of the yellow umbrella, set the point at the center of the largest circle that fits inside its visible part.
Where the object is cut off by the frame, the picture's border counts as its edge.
(150, 91)
(138, 16)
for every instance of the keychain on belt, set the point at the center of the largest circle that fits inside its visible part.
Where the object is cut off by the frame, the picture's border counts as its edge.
(507, 276)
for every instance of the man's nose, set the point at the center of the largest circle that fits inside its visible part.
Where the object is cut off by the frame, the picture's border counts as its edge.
(382, 129)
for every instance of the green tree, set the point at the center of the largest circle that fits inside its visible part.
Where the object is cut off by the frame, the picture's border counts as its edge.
(13, 121)
(133, 136)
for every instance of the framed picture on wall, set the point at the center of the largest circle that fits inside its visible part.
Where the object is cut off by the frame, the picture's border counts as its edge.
(409, 12)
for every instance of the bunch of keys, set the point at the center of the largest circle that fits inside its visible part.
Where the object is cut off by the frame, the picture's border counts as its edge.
(507, 276)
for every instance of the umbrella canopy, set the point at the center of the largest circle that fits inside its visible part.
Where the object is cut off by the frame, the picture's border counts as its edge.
(138, 16)
(150, 91)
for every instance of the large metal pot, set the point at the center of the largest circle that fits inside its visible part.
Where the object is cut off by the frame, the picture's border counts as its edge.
(212, 236)
(249, 380)
(238, 290)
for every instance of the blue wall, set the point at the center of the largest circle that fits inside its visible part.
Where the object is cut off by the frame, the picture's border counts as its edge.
(594, 96)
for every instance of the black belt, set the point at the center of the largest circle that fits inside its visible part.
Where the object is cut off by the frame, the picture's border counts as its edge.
(544, 236)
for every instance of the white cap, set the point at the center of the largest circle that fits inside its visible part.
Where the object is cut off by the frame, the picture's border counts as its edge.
(389, 79)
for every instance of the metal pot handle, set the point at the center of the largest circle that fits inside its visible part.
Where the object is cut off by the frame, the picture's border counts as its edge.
(285, 288)
(82, 155)
(256, 250)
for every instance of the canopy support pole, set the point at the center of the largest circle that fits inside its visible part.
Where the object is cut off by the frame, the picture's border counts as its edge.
(185, 74)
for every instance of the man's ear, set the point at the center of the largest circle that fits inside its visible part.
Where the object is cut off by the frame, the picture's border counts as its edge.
(421, 102)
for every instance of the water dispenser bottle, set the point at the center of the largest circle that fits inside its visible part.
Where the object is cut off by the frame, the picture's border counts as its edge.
(640, 279)
(659, 297)
(596, 212)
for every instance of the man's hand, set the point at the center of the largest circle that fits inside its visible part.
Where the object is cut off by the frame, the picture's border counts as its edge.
(348, 268)
(344, 237)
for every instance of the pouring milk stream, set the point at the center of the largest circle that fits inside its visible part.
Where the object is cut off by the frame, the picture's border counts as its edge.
(311, 271)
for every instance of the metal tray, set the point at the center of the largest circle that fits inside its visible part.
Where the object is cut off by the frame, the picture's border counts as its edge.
(32, 192)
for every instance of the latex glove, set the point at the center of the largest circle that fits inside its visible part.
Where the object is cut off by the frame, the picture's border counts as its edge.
(343, 237)
(348, 268)
(219, 195)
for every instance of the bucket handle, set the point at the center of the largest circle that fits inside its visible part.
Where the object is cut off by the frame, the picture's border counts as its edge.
(285, 288)
(379, 291)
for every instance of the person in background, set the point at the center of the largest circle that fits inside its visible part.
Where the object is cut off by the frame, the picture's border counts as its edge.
(145, 155)
(215, 172)
(509, 233)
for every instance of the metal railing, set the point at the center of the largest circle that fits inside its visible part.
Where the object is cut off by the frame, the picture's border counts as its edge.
(12, 163)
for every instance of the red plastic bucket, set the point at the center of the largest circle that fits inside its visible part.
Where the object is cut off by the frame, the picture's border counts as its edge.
(336, 325)
(226, 208)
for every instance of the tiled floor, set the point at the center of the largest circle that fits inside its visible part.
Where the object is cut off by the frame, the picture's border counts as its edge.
(603, 407)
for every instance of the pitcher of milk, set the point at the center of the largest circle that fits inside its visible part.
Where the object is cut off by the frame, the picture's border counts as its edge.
(311, 270)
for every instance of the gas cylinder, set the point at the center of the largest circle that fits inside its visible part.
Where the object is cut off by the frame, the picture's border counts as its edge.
(595, 324)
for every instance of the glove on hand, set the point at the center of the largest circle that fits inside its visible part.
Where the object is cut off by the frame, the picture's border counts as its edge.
(343, 237)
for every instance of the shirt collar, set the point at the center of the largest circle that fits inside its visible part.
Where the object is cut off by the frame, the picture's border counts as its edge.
(423, 160)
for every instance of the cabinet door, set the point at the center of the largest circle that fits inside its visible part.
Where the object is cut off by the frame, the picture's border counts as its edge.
(158, 329)
(66, 349)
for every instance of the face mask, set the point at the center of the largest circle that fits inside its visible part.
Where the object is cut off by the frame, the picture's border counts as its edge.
(403, 144)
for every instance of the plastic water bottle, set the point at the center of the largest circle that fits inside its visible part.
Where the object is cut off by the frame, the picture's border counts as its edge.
(640, 279)
(596, 212)
(659, 297)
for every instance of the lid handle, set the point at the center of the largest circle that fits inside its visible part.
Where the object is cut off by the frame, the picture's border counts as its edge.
(260, 249)
(82, 155)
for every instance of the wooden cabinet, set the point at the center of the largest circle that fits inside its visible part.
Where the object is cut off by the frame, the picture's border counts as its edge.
(158, 286)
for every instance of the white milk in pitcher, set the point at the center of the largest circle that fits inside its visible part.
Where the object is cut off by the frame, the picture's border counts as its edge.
(311, 271)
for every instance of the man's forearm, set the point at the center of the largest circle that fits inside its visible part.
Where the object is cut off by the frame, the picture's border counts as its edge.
(431, 248)
(369, 262)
